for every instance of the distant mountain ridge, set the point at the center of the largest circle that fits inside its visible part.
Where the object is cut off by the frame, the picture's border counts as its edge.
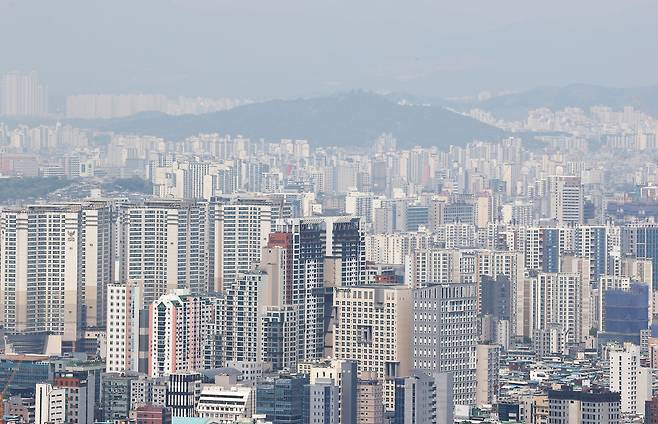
(351, 119)
(584, 96)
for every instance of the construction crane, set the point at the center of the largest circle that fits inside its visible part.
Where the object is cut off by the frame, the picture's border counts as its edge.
(4, 391)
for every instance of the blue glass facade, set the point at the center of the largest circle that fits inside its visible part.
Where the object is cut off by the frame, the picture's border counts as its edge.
(551, 262)
(625, 313)
(26, 375)
(647, 247)
(282, 399)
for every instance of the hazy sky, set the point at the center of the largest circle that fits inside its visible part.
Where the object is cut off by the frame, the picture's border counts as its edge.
(284, 48)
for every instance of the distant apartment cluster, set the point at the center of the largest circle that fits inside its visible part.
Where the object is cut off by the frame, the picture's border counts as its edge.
(107, 106)
(22, 95)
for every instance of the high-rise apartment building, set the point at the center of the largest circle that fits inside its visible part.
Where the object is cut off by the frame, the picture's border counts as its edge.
(434, 265)
(443, 266)
(311, 244)
(304, 241)
(178, 336)
(628, 378)
(279, 318)
(566, 199)
(241, 231)
(557, 298)
(392, 249)
(125, 308)
(345, 241)
(56, 262)
(243, 331)
(165, 245)
(591, 242)
(22, 95)
(544, 246)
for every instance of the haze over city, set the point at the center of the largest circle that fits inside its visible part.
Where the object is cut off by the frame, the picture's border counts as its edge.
(298, 48)
(329, 212)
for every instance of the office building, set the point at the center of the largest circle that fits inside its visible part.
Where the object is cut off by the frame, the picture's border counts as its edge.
(374, 328)
(370, 398)
(445, 335)
(50, 404)
(424, 398)
(183, 393)
(225, 403)
(624, 310)
(115, 400)
(567, 407)
(332, 390)
(150, 414)
(80, 395)
(323, 403)
(651, 411)
(282, 398)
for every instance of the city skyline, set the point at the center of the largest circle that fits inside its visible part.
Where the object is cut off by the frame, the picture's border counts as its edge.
(297, 212)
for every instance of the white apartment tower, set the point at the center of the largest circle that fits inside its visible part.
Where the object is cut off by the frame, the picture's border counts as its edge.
(166, 246)
(124, 303)
(50, 404)
(242, 335)
(242, 227)
(56, 262)
(630, 379)
(429, 266)
(557, 299)
(22, 95)
(566, 199)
